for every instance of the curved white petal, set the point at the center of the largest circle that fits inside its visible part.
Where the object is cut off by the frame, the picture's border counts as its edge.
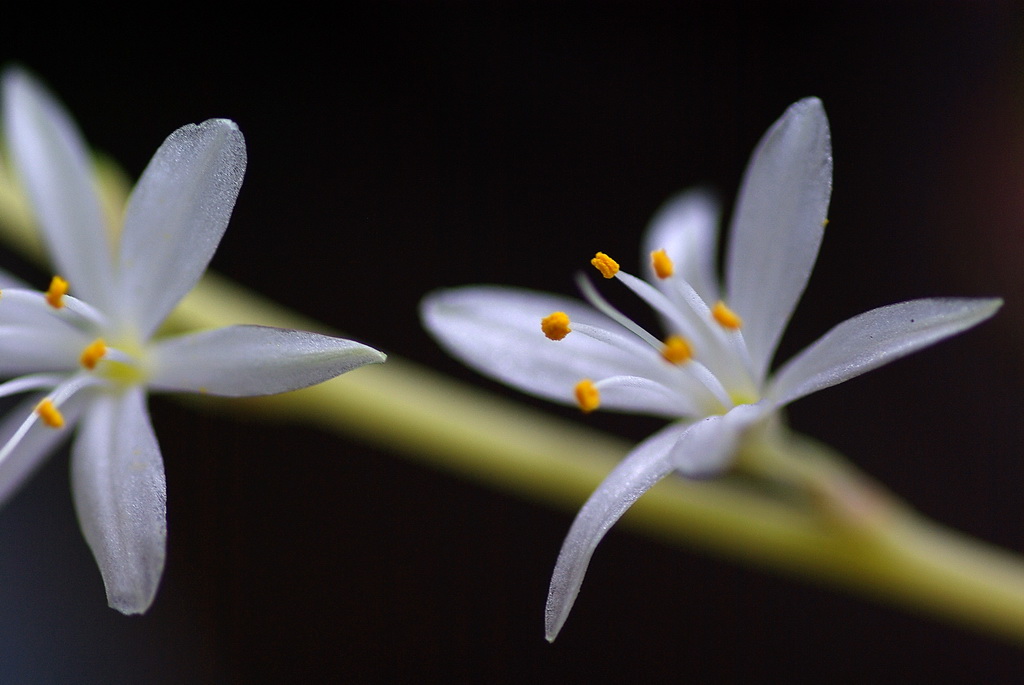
(176, 217)
(54, 165)
(698, 449)
(686, 227)
(117, 478)
(37, 443)
(497, 331)
(647, 464)
(242, 361)
(875, 338)
(778, 225)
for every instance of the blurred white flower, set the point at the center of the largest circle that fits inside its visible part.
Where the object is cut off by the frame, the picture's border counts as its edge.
(711, 372)
(93, 356)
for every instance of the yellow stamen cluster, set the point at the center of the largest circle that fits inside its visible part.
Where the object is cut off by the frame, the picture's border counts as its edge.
(663, 266)
(677, 350)
(92, 354)
(587, 396)
(55, 294)
(726, 317)
(555, 325)
(49, 414)
(605, 264)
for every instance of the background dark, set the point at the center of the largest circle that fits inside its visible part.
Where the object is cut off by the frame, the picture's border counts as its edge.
(407, 146)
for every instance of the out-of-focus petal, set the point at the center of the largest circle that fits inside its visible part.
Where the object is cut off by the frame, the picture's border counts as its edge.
(117, 478)
(686, 227)
(176, 217)
(497, 331)
(54, 165)
(874, 338)
(778, 225)
(239, 361)
(698, 449)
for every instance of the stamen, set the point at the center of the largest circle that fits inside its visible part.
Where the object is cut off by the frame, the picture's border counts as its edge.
(49, 414)
(726, 317)
(677, 350)
(663, 266)
(605, 264)
(587, 396)
(58, 289)
(555, 325)
(92, 354)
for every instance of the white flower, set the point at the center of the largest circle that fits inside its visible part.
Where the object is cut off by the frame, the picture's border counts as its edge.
(93, 357)
(711, 372)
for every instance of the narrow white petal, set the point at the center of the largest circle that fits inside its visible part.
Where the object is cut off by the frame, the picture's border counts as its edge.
(176, 217)
(647, 464)
(778, 225)
(35, 445)
(117, 477)
(241, 361)
(697, 449)
(875, 338)
(54, 166)
(497, 332)
(686, 227)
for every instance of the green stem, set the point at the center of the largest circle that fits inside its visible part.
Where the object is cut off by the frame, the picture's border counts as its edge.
(834, 524)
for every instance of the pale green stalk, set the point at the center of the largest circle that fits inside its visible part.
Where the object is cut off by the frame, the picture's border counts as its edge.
(800, 508)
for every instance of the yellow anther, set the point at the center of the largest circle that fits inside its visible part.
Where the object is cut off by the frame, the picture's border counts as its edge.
(587, 396)
(605, 264)
(93, 353)
(677, 350)
(49, 414)
(58, 289)
(824, 224)
(555, 325)
(726, 317)
(663, 266)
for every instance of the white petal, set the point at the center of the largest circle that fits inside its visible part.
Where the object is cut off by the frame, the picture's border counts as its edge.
(497, 332)
(697, 449)
(54, 165)
(37, 443)
(778, 226)
(176, 217)
(875, 338)
(686, 227)
(242, 361)
(117, 478)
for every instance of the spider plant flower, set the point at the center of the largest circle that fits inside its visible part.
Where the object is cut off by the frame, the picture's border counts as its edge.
(85, 347)
(710, 372)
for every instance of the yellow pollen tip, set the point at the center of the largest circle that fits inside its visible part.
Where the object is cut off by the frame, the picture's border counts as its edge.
(49, 414)
(93, 353)
(663, 266)
(55, 294)
(677, 350)
(726, 317)
(605, 264)
(587, 396)
(555, 325)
